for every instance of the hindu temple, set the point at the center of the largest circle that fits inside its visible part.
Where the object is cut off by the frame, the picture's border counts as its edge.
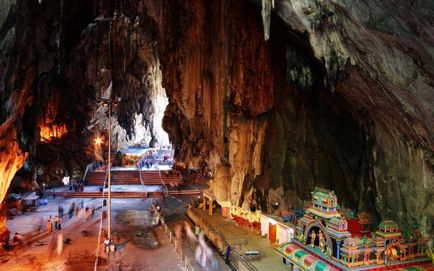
(216, 135)
(324, 241)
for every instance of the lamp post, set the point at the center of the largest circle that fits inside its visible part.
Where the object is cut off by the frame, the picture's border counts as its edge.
(109, 103)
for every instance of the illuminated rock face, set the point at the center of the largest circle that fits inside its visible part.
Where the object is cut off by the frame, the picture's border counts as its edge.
(339, 96)
(11, 159)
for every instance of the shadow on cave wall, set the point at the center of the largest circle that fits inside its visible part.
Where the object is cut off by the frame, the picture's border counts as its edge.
(314, 137)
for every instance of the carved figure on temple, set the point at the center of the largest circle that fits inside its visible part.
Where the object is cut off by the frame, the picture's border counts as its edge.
(312, 238)
(322, 243)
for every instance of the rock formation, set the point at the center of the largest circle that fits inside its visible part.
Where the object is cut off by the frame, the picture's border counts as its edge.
(272, 97)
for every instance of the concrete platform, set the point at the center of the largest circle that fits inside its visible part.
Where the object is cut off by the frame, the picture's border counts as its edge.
(127, 188)
(220, 230)
(135, 168)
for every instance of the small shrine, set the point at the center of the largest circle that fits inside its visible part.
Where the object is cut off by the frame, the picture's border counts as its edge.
(208, 201)
(322, 235)
(364, 223)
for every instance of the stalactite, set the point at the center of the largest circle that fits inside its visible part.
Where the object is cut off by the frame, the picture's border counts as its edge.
(267, 5)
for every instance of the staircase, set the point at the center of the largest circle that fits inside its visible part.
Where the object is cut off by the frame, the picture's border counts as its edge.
(95, 178)
(130, 194)
(152, 177)
(117, 177)
(149, 177)
(125, 177)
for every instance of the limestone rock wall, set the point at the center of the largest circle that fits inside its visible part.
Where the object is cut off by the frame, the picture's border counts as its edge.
(334, 98)
(340, 95)
(218, 76)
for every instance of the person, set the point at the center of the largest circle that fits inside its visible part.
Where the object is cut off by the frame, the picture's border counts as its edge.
(59, 248)
(6, 245)
(56, 222)
(88, 212)
(152, 208)
(60, 211)
(71, 210)
(49, 225)
(228, 254)
(59, 223)
(107, 245)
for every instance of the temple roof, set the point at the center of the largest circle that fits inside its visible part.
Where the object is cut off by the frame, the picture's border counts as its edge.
(324, 197)
(388, 225)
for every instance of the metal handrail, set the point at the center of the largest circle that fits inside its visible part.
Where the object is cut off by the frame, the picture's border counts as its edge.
(87, 171)
(166, 190)
(235, 257)
(100, 227)
(140, 175)
(178, 248)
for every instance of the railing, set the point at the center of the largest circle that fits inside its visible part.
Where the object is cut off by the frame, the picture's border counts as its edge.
(100, 228)
(235, 257)
(186, 261)
(140, 175)
(87, 171)
(166, 190)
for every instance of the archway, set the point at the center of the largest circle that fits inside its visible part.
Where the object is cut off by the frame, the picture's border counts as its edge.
(317, 227)
(393, 251)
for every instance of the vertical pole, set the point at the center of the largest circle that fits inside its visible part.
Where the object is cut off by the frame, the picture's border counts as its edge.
(109, 204)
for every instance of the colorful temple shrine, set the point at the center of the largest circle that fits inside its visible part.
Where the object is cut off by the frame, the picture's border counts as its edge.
(323, 242)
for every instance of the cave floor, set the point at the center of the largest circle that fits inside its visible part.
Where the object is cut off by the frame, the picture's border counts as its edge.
(147, 247)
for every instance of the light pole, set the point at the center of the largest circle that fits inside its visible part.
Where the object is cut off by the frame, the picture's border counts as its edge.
(109, 103)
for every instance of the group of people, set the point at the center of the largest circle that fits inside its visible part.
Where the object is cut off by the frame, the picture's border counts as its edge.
(77, 186)
(16, 240)
(80, 211)
(145, 163)
(57, 223)
(52, 223)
